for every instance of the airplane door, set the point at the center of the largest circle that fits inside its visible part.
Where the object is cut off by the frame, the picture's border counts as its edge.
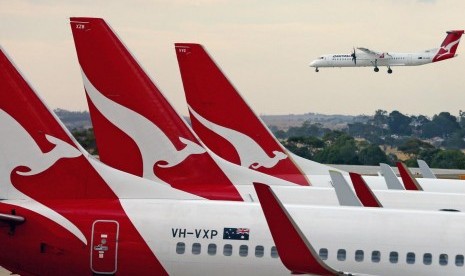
(104, 247)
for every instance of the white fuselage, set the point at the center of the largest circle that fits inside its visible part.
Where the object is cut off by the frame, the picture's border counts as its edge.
(181, 233)
(370, 60)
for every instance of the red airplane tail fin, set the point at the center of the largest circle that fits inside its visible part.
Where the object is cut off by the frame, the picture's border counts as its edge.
(224, 121)
(410, 182)
(449, 45)
(364, 193)
(43, 169)
(136, 128)
(38, 150)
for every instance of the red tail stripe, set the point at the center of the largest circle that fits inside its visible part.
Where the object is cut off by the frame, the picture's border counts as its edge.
(410, 183)
(364, 193)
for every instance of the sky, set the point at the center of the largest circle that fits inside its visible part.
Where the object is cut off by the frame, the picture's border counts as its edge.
(264, 47)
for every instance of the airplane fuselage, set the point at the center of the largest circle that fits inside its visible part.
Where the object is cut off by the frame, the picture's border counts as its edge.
(194, 237)
(368, 60)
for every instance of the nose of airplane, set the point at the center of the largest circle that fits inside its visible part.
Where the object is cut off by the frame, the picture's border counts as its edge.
(313, 63)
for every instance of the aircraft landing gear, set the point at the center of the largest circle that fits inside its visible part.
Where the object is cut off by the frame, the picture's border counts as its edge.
(389, 70)
(376, 69)
(316, 70)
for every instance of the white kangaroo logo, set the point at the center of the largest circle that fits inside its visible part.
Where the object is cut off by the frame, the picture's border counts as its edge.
(250, 153)
(155, 147)
(448, 48)
(18, 148)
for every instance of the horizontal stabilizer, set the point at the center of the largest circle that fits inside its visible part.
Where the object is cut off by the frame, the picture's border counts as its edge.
(12, 219)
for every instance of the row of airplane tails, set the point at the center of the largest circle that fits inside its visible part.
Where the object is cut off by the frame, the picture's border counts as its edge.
(223, 197)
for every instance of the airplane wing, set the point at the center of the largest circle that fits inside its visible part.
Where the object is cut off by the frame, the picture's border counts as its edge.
(368, 51)
(295, 250)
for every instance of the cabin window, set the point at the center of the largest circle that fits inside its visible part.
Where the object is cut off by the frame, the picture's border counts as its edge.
(427, 258)
(227, 250)
(393, 257)
(180, 248)
(243, 250)
(443, 259)
(375, 256)
(459, 260)
(410, 258)
(274, 252)
(359, 255)
(211, 249)
(259, 251)
(323, 253)
(196, 248)
(341, 255)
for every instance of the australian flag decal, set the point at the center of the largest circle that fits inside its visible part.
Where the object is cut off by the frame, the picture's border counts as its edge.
(236, 234)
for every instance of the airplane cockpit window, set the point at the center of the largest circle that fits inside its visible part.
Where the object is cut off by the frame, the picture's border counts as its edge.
(427, 258)
(459, 260)
(180, 248)
(323, 253)
(322, 57)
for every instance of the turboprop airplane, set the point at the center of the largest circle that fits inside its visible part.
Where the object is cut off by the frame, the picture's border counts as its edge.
(218, 114)
(363, 57)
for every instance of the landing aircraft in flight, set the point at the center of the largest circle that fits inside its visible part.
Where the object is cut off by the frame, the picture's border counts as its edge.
(364, 57)
(63, 212)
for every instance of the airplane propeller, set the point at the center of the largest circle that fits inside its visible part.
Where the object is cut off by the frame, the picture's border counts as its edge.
(354, 57)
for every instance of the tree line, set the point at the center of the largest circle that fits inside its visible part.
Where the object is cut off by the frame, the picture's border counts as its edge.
(437, 140)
